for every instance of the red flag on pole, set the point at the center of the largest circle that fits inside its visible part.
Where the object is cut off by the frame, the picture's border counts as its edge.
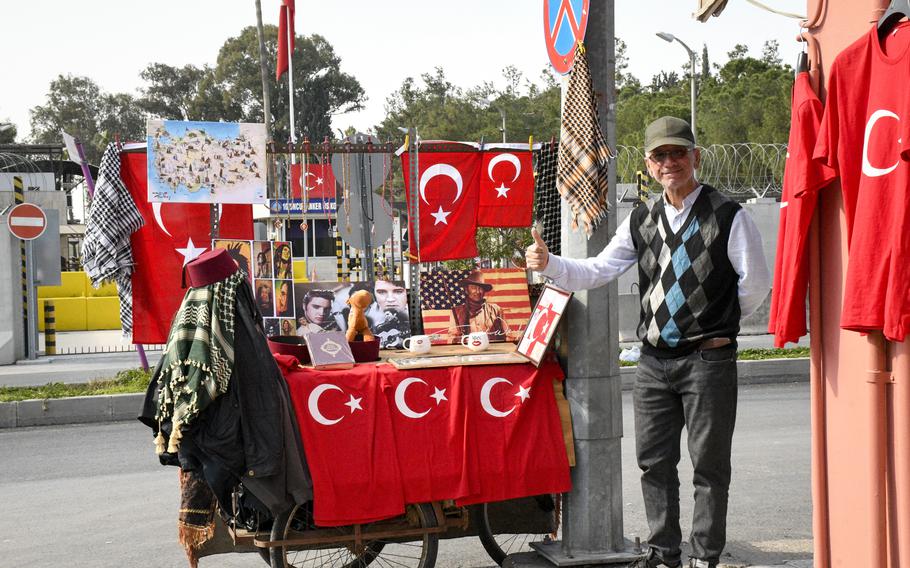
(285, 19)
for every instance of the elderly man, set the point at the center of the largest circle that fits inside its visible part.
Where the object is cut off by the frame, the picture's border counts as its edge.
(700, 269)
(476, 314)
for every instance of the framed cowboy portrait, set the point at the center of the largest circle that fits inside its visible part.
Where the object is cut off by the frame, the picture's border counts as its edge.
(542, 325)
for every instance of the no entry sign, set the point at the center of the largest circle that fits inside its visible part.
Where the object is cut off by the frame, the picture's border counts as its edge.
(27, 221)
(564, 23)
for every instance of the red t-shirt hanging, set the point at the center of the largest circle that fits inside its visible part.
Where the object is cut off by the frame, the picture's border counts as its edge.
(803, 176)
(866, 116)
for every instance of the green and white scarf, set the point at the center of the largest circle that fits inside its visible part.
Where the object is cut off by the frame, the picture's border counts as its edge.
(199, 356)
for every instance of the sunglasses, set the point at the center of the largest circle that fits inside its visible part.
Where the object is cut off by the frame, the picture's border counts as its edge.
(676, 154)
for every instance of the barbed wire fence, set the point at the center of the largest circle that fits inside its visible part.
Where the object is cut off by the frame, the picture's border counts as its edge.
(742, 171)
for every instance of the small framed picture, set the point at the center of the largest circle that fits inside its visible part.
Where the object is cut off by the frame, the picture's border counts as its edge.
(542, 325)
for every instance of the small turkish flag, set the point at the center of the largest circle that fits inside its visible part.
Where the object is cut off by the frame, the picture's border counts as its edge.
(448, 187)
(506, 189)
(285, 31)
(173, 235)
(319, 183)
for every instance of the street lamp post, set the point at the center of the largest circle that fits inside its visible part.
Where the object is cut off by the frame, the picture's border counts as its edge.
(671, 38)
(502, 114)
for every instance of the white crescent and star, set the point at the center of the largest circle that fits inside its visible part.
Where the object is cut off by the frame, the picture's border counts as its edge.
(313, 404)
(438, 395)
(868, 169)
(190, 251)
(502, 190)
(441, 170)
(523, 393)
(399, 398)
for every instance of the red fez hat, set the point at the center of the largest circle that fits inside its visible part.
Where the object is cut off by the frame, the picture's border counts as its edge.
(210, 267)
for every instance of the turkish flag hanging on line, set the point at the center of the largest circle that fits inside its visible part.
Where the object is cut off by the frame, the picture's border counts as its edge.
(506, 189)
(448, 193)
(285, 30)
(173, 235)
(319, 183)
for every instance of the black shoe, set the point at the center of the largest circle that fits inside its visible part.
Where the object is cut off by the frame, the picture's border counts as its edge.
(651, 560)
(698, 563)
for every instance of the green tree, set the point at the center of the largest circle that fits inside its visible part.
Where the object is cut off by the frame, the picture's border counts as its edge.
(7, 132)
(232, 89)
(171, 90)
(78, 106)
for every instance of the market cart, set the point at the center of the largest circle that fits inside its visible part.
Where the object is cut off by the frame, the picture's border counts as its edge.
(505, 517)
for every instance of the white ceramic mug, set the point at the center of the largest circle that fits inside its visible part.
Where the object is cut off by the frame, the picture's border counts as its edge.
(417, 343)
(476, 341)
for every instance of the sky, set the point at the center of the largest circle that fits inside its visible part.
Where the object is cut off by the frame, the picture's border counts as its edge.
(379, 43)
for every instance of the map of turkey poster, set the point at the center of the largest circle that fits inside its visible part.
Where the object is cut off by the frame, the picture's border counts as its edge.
(206, 162)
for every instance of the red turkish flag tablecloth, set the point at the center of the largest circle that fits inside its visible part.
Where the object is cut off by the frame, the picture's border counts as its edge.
(377, 438)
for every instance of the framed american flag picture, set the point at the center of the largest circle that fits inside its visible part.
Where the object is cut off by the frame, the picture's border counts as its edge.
(542, 325)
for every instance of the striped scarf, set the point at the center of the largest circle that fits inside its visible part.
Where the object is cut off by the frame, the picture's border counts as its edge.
(199, 357)
(581, 170)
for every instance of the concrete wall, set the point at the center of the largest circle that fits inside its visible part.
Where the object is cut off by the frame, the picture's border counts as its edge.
(765, 212)
(12, 330)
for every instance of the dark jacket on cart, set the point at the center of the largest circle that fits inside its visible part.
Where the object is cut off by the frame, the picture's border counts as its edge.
(250, 433)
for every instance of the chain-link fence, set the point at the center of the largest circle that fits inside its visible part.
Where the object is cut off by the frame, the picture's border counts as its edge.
(740, 170)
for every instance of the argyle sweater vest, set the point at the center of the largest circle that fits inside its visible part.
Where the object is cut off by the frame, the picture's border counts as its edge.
(688, 286)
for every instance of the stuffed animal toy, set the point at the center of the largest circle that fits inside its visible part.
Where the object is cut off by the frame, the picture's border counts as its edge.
(357, 321)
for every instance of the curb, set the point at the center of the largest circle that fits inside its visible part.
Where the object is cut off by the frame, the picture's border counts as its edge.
(121, 407)
(74, 410)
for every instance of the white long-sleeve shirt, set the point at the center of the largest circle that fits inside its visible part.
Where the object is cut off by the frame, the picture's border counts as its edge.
(744, 249)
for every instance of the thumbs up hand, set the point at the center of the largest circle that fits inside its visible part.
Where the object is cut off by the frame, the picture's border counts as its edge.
(537, 255)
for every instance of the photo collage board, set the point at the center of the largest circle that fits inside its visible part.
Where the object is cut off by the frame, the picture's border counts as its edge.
(322, 306)
(270, 270)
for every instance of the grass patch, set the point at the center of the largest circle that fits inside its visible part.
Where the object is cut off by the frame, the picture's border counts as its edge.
(128, 381)
(757, 353)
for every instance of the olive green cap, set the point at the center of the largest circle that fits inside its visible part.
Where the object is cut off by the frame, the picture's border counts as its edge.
(668, 130)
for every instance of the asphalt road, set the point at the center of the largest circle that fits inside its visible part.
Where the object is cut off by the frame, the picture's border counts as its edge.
(95, 496)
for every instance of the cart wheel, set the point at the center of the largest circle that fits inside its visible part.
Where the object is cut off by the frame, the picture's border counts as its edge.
(499, 545)
(417, 553)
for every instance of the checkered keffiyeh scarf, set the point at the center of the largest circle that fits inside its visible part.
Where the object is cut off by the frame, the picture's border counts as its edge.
(581, 171)
(112, 218)
(199, 357)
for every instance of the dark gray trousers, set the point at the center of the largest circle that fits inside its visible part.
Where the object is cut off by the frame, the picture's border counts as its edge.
(699, 391)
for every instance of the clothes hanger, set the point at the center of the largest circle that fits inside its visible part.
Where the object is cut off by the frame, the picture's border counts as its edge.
(897, 10)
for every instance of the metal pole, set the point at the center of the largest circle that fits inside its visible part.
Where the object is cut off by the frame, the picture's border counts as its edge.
(19, 197)
(503, 129)
(692, 59)
(414, 225)
(592, 511)
(31, 320)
